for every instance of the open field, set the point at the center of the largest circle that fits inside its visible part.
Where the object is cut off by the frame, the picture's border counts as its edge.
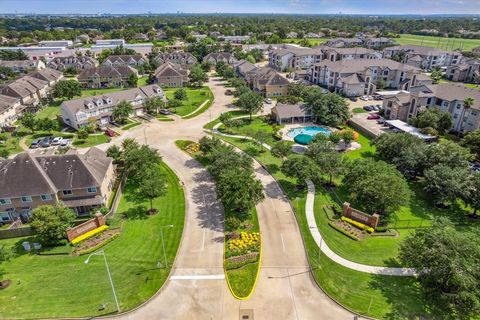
(49, 286)
(438, 42)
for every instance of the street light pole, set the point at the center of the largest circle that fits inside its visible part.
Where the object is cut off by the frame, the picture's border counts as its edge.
(163, 243)
(102, 253)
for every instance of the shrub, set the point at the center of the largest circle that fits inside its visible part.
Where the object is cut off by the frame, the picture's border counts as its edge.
(98, 246)
(358, 225)
(89, 234)
(345, 232)
(240, 261)
(232, 223)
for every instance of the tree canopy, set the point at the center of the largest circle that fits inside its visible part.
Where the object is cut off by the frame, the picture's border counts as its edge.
(250, 102)
(51, 222)
(330, 109)
(67, 89)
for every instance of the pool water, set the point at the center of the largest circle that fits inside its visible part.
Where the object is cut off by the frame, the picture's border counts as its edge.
(310, 131)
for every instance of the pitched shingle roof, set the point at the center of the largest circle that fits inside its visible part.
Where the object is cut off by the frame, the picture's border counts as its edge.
(106, 71)
(170, 69)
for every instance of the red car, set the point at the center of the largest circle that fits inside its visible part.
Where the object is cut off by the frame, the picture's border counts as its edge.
(373, 116)
(110, 133)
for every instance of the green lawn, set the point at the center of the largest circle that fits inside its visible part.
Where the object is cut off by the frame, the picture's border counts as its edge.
(235, 113)
(51, 111)
(131, 124)
(142, 81)
(472, 85)
(63, 286)
(359, 110)
(438, 42)
(92, 140)
(9, 142)
(195, 97)
(94, 92)
(250, 127)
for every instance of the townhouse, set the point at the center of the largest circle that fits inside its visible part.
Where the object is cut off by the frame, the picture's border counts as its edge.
(31, 88)
(216, 57)
(178, 57)
(80, 112)
(267, 82)
(468, 71)
(447, 97)
(171, 74)
(10, 110)
(423, 57)
(359, 77)
(106, 77)
(21, 66)
(134, 61)
(76, 62)
(81, 181)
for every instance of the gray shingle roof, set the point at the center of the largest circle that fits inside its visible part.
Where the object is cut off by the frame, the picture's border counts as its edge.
(291, 110)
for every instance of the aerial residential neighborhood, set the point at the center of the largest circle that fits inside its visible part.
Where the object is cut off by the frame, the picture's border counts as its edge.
(239, 160)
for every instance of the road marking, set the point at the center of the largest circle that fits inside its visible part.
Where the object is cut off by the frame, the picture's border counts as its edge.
(199, 277)
(283, 242)
(203, 240)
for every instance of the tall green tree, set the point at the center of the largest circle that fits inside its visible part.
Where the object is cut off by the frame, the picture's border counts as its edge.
(450, 280)
(132, 80)
(299, 167)
(445, 184)
(153, 185)
(250, 102)
(281, 149)
(67, 89)
(197, 75)
(467, 105)
(180, 94)
(447, 153)
(471, 141)
(51, 222)
(330, 109)
(327, 158)
(139, 159)
(153, 104)
(122, 111)
(473, 195)
(376, 186)
(29, 121)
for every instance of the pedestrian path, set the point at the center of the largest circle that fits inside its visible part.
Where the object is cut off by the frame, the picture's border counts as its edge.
(312, 226)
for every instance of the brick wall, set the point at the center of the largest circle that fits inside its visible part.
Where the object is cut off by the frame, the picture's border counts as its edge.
(362, 217)
(97, 221)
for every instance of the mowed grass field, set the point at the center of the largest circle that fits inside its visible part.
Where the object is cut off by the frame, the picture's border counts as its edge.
(48, 286)
(438, 42)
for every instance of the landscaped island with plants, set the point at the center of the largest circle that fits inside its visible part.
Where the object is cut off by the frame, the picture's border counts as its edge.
(239, 191)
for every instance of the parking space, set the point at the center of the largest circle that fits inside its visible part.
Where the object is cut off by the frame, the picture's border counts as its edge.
(372, 125)
(50, 143)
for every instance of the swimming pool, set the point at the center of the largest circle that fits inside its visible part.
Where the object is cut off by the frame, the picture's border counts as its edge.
(310, 131)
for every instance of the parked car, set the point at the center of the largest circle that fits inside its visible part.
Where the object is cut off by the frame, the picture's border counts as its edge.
(35, 144)
(381, 120)
(228, 92)
(56, 141)
(373, 116)
(364, 98)
(368, 108)
(165, 111)
(110, 132)
(354, 99)
(268, 101)
(46, 142)
(377, 97)
(65, 143)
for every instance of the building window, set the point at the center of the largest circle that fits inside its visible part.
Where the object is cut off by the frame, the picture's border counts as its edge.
(92, 190)
(67, 192)
(5, 201)
(46, 197)
(26, 199)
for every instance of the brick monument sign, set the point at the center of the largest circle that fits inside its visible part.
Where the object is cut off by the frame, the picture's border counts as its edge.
(359, 216)
(97, 221)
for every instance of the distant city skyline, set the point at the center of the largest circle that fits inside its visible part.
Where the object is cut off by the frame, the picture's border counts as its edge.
(372, 7)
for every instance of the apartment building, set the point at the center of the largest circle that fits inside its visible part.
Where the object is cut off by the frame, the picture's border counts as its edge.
(81, 181)
(22, 66)
(171, 74)
(283, 59)
(267, 82)
(79, 112)
(362, 76)
(134, 61)
(351, 53)
(106, 77)
(468, 71)
(423, 57)
(178, 57)
(447, 97)
(215, 57)
(344, 42)
(377, 42)
(76, 62)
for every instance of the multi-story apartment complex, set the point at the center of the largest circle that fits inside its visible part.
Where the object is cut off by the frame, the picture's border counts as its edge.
(171, 74)
(267, 82)
(362, 76)
(178, 57)
(423, 57)
(106, 77)
(75, 62)
(80, 112)
(468, 71)
(81, 181)
(447, 97)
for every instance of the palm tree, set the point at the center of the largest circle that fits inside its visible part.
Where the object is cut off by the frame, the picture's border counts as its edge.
(467, 104)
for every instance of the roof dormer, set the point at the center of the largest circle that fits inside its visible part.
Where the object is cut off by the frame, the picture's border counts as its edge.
(88, 104)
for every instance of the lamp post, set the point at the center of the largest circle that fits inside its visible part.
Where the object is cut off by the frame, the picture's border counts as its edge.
(102, 253)
(163, 243)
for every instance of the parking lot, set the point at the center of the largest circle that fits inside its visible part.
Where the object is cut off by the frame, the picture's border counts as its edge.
(360, 119)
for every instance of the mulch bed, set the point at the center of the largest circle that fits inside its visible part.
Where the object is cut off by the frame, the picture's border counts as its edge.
(94, 241)
(350, 229)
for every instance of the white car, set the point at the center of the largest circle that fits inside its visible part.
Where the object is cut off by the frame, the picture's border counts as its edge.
(65, 143)
(268, 101)
(364, 98)
(56, 141)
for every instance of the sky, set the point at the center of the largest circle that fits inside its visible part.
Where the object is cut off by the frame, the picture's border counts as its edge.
(243, 6)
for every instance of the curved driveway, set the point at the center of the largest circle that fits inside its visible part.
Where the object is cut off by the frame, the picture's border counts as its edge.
(196, 288)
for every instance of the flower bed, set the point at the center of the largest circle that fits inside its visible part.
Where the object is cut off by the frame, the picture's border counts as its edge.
(358, 225)
(247, 242)
(340, 227)
(89, 234)
(239, 261)
(96, 242)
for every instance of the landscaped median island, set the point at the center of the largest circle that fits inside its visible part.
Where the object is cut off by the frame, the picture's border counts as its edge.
(57, 283)
(189, 104)
(233, 174)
